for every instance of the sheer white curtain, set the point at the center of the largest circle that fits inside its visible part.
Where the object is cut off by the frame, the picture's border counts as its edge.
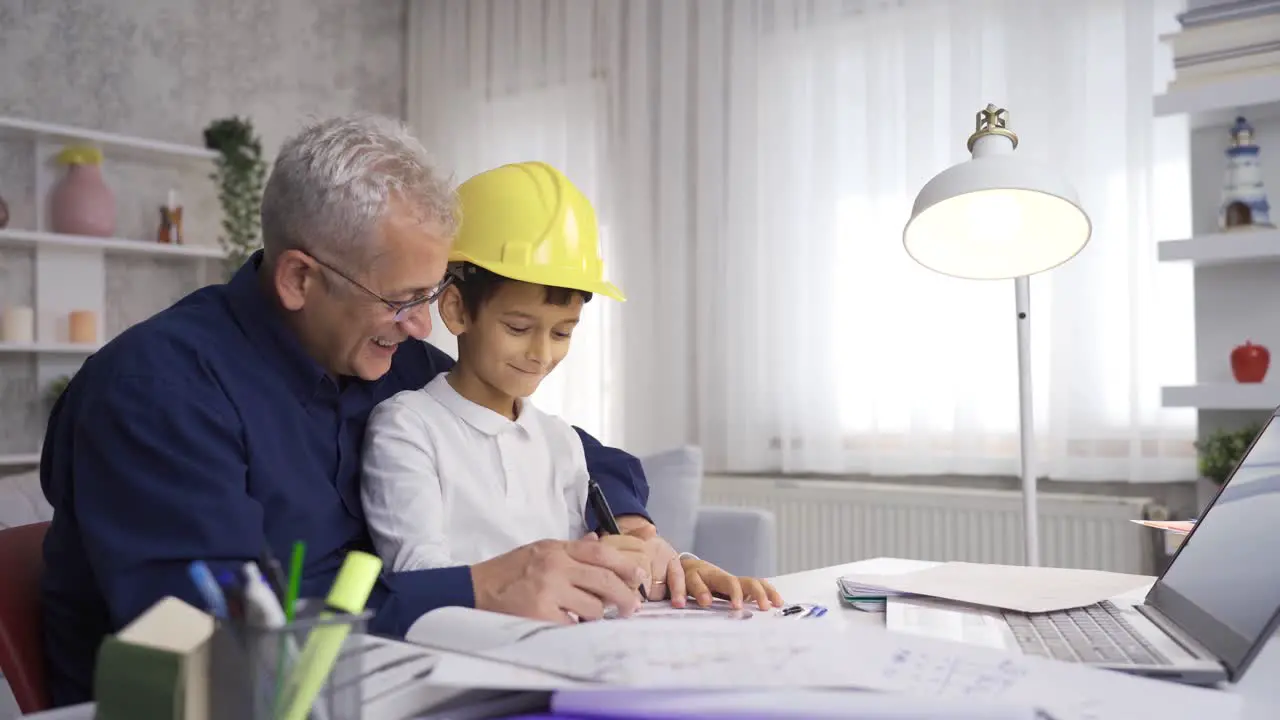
(850, 358)
(490, 88)
(757, 161)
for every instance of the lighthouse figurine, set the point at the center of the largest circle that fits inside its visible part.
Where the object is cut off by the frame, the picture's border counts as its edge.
(1244, 199)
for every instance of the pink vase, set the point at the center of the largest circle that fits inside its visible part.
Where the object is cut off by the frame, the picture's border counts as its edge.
(82, 204)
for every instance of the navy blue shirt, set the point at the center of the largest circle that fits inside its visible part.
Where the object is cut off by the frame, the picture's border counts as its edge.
(206, 432)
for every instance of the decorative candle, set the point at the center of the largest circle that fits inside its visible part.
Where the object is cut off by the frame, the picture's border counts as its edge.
(19, 325)
(84, 326)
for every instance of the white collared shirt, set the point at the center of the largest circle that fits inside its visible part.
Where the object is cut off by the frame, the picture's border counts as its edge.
(449, 482)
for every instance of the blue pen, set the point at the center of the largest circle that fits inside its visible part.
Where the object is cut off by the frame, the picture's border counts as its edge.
(233, 592)
(208, 587)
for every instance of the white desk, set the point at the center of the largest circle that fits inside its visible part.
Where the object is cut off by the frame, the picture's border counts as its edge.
(1259, 688)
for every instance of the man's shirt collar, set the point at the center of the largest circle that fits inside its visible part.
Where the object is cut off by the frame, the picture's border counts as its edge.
(260, 317)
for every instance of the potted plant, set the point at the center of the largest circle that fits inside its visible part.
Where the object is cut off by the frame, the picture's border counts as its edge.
(55, 389)
(1220, 453)
(241, 174)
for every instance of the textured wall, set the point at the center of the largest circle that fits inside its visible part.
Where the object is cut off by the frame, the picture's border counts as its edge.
(164, 69)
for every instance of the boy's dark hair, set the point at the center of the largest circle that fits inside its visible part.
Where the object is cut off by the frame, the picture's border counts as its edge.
(476, 285)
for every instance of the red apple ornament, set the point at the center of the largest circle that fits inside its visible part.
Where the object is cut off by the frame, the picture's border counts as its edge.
(1249, 362)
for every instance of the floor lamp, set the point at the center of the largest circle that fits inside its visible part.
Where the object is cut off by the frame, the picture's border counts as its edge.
(994, 217)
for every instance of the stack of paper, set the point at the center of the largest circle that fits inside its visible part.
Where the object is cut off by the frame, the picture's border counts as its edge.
(864, 596)
(1011, 587)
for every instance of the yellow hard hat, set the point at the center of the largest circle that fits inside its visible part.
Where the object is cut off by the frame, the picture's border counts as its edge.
(526, 221)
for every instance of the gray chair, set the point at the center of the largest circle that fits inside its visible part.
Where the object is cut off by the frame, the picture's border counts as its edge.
(743, 541)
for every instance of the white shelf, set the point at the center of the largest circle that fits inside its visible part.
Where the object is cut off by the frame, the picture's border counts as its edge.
(1223, 396)
(65, 133)
(19, 459)
(120, 246)
(1227, 248)
(49, 348)
(1218, 102)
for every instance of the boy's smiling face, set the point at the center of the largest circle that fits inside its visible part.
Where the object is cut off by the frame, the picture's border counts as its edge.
(512, 341)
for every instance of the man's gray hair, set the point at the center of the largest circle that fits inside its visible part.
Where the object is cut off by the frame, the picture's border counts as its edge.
(331, 184)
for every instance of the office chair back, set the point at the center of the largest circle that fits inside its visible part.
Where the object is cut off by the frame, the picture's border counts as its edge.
(21, 647)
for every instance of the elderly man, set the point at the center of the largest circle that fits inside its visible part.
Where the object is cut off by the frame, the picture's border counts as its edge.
(232, 422)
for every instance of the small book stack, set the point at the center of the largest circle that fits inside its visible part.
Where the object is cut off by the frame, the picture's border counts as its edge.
(1225, 40)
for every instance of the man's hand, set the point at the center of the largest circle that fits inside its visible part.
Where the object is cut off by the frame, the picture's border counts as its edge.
(664, 562)
(554, 580)
(657, 555)
(705, 578)
(632, 548)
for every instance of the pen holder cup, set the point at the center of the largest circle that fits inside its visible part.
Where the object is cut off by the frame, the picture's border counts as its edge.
(305, 670)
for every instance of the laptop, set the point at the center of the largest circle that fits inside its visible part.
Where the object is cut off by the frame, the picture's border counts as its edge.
(1204, 620)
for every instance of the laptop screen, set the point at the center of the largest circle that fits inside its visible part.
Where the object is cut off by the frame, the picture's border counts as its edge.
(1222, 587)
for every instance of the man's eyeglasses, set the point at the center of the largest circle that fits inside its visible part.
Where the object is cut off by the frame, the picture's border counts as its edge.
(401, 308)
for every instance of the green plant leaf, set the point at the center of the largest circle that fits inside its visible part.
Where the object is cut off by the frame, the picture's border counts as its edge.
(1222, 449)
(240, 173)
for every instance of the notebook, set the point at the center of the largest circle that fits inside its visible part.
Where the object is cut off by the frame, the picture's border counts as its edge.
(870, 598)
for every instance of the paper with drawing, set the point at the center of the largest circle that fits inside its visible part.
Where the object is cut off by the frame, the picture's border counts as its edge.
(632, 704)
(466, 630)
(712, 654)
(1012, 587)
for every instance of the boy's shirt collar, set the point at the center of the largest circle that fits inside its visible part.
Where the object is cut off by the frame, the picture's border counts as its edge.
(477, 416)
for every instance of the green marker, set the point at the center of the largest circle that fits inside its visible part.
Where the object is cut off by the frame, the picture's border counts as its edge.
(291, 592)
(295, 579)
(349, 594)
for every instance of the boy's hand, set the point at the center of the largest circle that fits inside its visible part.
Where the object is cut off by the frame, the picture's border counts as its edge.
(703, 579)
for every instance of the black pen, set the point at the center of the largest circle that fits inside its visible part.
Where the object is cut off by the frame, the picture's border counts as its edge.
(274, 573)
(608, 523)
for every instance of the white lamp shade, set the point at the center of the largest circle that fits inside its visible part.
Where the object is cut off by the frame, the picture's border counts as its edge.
(996, 217)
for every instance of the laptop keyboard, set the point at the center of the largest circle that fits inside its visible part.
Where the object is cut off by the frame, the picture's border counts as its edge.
(1097, 633)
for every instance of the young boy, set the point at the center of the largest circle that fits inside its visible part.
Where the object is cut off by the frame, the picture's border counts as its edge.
(466, 468)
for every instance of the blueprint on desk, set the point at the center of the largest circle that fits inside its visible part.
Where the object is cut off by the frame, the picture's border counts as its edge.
(713, 654)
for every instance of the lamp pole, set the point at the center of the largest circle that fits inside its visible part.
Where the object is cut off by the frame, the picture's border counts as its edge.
(993, 137)
(1026, 423)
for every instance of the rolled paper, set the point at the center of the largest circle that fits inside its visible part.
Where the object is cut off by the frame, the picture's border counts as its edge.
(84, 326)
(19, 325)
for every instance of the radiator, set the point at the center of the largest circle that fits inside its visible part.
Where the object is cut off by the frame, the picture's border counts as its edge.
(831, 522)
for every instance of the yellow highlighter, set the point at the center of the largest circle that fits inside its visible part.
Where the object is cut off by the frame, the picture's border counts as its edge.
(349, 594)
